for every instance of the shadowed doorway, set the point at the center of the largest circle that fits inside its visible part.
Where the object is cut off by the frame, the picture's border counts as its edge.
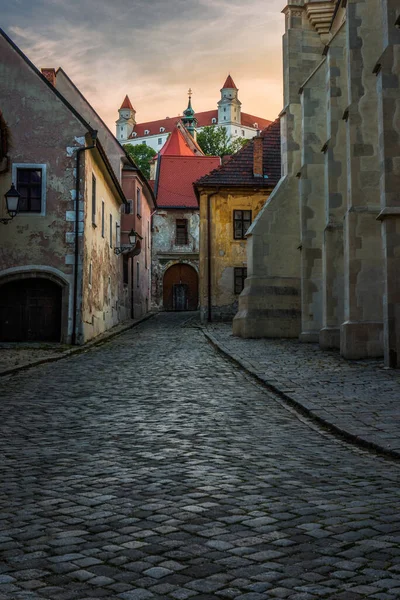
(180, 288)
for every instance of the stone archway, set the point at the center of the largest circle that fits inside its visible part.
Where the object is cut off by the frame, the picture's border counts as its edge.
(31, 308)
(180, 288)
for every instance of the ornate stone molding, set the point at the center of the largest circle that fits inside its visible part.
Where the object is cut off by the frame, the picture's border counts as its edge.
(320, 15)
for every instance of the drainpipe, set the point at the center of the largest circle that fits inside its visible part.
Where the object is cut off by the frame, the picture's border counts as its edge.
(209, 247)
(76, 261)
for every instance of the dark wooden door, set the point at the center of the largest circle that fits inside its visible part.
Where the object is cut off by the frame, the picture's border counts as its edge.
(181, 288)
(30, 311)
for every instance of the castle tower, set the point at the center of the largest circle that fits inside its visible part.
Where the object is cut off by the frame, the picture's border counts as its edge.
(229, 105)
(126, 121)
(188, 119)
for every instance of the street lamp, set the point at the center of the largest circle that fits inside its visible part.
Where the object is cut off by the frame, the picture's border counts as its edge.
(132, 236)
(12, 201)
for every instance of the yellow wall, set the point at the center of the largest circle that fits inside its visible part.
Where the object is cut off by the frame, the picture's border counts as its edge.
(226, 252)
(102, 300)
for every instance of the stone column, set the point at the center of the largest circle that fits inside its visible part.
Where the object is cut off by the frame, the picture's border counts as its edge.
(335, 191)
(388, 85)
(312, 214)
(269, 306)
(362, 330)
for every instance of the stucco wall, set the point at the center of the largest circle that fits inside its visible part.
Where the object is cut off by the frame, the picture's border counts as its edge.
(165, 251)
(43, 131)
(226, 252)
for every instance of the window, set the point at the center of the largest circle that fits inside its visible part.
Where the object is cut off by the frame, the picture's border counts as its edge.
(117, 235)
(243, 132)
(137, 274)
(145, 252)
(125, 269)
(146, 132)
(93, 200)
(181, 237)
(213, 120)
(102, 218)
(239, 276)
(90, 273)
(30, 184)
(224, 118)
(241, 223)
(144, 143)
(138, 202)
(162, 129)
(224, 109)
(159, 141)
(111, 230)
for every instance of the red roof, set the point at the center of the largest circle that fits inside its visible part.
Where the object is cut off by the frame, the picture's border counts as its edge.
(127, 103)
(176, 145)
(238, 170)
(176, 176)
(204, 119)
(229, 84)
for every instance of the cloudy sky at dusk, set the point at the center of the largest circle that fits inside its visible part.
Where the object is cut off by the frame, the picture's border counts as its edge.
(154, 50)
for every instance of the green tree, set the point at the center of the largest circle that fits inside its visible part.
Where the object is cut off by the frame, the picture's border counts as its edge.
(142, 155)
(214, 141)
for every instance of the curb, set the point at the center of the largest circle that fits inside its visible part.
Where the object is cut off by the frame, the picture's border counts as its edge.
(338, 432)
(78, 349)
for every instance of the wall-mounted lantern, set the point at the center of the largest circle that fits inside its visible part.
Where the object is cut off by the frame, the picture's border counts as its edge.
(12, 201)
(132, 236)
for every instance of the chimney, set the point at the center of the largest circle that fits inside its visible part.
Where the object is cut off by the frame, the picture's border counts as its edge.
(50, 75)
(258, 156)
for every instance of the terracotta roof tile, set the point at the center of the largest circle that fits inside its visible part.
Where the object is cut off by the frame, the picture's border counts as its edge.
(238, 170)
(176, 177)
(229, 84)
(127, 103)
(204, 119)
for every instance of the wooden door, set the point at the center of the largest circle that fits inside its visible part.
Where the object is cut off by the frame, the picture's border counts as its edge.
(30, 311)
(181, 288)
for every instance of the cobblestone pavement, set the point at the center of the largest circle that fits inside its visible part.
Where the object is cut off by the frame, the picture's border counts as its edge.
(358, 397)
(152, 468)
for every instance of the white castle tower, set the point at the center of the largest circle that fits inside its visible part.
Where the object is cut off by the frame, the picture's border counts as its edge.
(126, 121)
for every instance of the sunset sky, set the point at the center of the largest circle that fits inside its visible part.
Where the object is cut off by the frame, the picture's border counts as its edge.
(154, 50)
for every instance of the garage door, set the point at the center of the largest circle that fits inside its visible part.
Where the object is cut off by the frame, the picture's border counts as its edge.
(30, 311)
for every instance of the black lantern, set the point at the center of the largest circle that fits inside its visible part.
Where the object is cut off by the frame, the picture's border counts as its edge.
(12, 201)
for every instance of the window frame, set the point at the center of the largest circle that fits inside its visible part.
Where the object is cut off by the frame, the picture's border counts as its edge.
(239, 274)
(94, 200)
(111, 231)
(37, 166)
(138, 202)
(103, 225)
(242, 220)
(186, 232)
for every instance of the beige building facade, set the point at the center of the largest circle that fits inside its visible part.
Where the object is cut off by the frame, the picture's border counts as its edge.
(337, 205)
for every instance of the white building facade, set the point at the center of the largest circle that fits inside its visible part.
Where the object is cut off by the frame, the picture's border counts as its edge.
(155, 133)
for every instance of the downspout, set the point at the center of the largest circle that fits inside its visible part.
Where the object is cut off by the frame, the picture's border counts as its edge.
(76, 259)
(209, 262)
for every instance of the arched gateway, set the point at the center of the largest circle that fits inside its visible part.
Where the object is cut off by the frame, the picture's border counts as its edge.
(181, 288)
(30, 310)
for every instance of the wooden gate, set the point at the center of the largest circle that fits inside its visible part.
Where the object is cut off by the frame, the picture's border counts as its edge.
(30, 311)
(181, 288)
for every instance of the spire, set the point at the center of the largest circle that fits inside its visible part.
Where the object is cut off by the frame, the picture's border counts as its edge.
(229, 84)
(188, 119)
(127, 104)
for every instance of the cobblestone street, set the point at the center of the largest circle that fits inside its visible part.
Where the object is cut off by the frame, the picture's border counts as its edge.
(151, 468)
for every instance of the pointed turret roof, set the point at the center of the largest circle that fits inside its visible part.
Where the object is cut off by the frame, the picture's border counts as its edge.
(127, 103)
(176, 145)
(229, 84)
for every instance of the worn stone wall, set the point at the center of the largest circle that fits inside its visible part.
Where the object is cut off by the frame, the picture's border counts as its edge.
(165, 251)
(43, 131)
(269, 306)
(335, 189)
(312, 191)
(388, 87)
(362, 329)
(226, 252)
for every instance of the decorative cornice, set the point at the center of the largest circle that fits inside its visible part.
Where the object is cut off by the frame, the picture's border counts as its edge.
(320, 15)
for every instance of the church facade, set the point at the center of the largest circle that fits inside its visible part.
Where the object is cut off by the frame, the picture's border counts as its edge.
(228, 114)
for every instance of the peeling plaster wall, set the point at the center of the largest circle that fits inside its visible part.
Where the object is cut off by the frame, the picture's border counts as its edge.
(165, 251)
(226, 252)
(102, 299)
(43, 131)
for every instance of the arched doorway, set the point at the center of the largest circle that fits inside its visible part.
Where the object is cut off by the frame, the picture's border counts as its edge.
(30, 310)
(181, 288)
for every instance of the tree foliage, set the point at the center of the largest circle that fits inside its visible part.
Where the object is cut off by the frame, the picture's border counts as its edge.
(214, 141)
(142, 155)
